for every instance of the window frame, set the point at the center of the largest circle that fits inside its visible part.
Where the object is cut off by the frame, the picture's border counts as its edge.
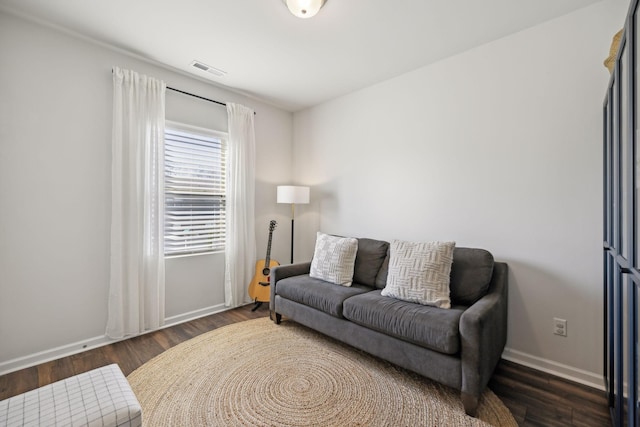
(202, 132)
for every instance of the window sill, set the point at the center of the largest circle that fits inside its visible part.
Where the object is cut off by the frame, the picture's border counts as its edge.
(193, 254)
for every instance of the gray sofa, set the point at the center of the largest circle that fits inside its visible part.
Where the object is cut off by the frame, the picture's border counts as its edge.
(459, 347)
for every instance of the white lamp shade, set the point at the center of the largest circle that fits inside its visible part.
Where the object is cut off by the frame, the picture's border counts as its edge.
(304, 8)
(293, 194)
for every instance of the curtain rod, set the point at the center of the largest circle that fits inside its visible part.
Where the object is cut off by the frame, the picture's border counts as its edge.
(200, 97)
(197, 96)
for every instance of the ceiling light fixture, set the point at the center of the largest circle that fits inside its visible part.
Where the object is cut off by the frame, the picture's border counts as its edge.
(304, 8)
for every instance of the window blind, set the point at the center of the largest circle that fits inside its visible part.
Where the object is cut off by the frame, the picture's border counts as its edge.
(195, 185)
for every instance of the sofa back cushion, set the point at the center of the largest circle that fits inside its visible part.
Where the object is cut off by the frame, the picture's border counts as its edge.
(381, 278)
(471, 274)
(471, 271)
(369, 258)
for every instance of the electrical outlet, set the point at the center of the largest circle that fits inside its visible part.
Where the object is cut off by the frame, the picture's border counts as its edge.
(560, 327)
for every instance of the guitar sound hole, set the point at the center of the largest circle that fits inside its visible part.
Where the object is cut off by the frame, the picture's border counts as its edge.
(266, 271)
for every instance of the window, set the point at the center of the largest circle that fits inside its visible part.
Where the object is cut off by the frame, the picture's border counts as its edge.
(195, 186)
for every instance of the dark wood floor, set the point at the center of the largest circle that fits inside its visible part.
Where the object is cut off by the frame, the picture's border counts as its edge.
(535, 398)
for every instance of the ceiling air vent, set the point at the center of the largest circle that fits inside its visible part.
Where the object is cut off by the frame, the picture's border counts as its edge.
(208, 68)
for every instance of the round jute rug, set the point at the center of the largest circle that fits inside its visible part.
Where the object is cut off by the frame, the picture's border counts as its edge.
(256, 373)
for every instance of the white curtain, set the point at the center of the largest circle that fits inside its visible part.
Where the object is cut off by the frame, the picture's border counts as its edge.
(240, 251)
(136, 290)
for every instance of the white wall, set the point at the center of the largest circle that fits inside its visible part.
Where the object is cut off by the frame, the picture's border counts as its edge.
(499, 148)
(55, 183)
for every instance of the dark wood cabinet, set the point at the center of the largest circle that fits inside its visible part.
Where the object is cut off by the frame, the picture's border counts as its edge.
(621, 228)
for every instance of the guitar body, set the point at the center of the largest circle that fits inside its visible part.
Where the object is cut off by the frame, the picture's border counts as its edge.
(257, 291)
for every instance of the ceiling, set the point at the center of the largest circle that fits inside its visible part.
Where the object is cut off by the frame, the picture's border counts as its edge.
(290, 62)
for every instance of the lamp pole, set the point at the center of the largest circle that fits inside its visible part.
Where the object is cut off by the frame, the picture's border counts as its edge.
(292, 194)
(292, 228)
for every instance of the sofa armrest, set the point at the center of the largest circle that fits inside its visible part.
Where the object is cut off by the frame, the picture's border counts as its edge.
(282, 272)
(483, 331)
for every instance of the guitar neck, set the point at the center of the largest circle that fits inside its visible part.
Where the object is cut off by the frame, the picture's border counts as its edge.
(267, 259)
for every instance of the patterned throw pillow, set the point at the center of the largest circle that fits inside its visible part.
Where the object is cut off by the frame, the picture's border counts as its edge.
(419, 272)
(334, 258)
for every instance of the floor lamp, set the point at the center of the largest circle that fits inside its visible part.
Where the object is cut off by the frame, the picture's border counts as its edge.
(293, 194)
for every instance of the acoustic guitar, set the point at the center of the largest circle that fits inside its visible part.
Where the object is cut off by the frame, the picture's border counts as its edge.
(259, 289)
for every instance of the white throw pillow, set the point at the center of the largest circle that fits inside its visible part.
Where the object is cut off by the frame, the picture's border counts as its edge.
(419, 272)
(334, 259)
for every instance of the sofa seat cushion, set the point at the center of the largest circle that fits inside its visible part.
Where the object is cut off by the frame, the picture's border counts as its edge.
(317, 293)
(427, 326)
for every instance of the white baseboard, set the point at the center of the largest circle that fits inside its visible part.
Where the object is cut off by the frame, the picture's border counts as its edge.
(554, 368)
(192, 315)
(91, 343)
(53, 354)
